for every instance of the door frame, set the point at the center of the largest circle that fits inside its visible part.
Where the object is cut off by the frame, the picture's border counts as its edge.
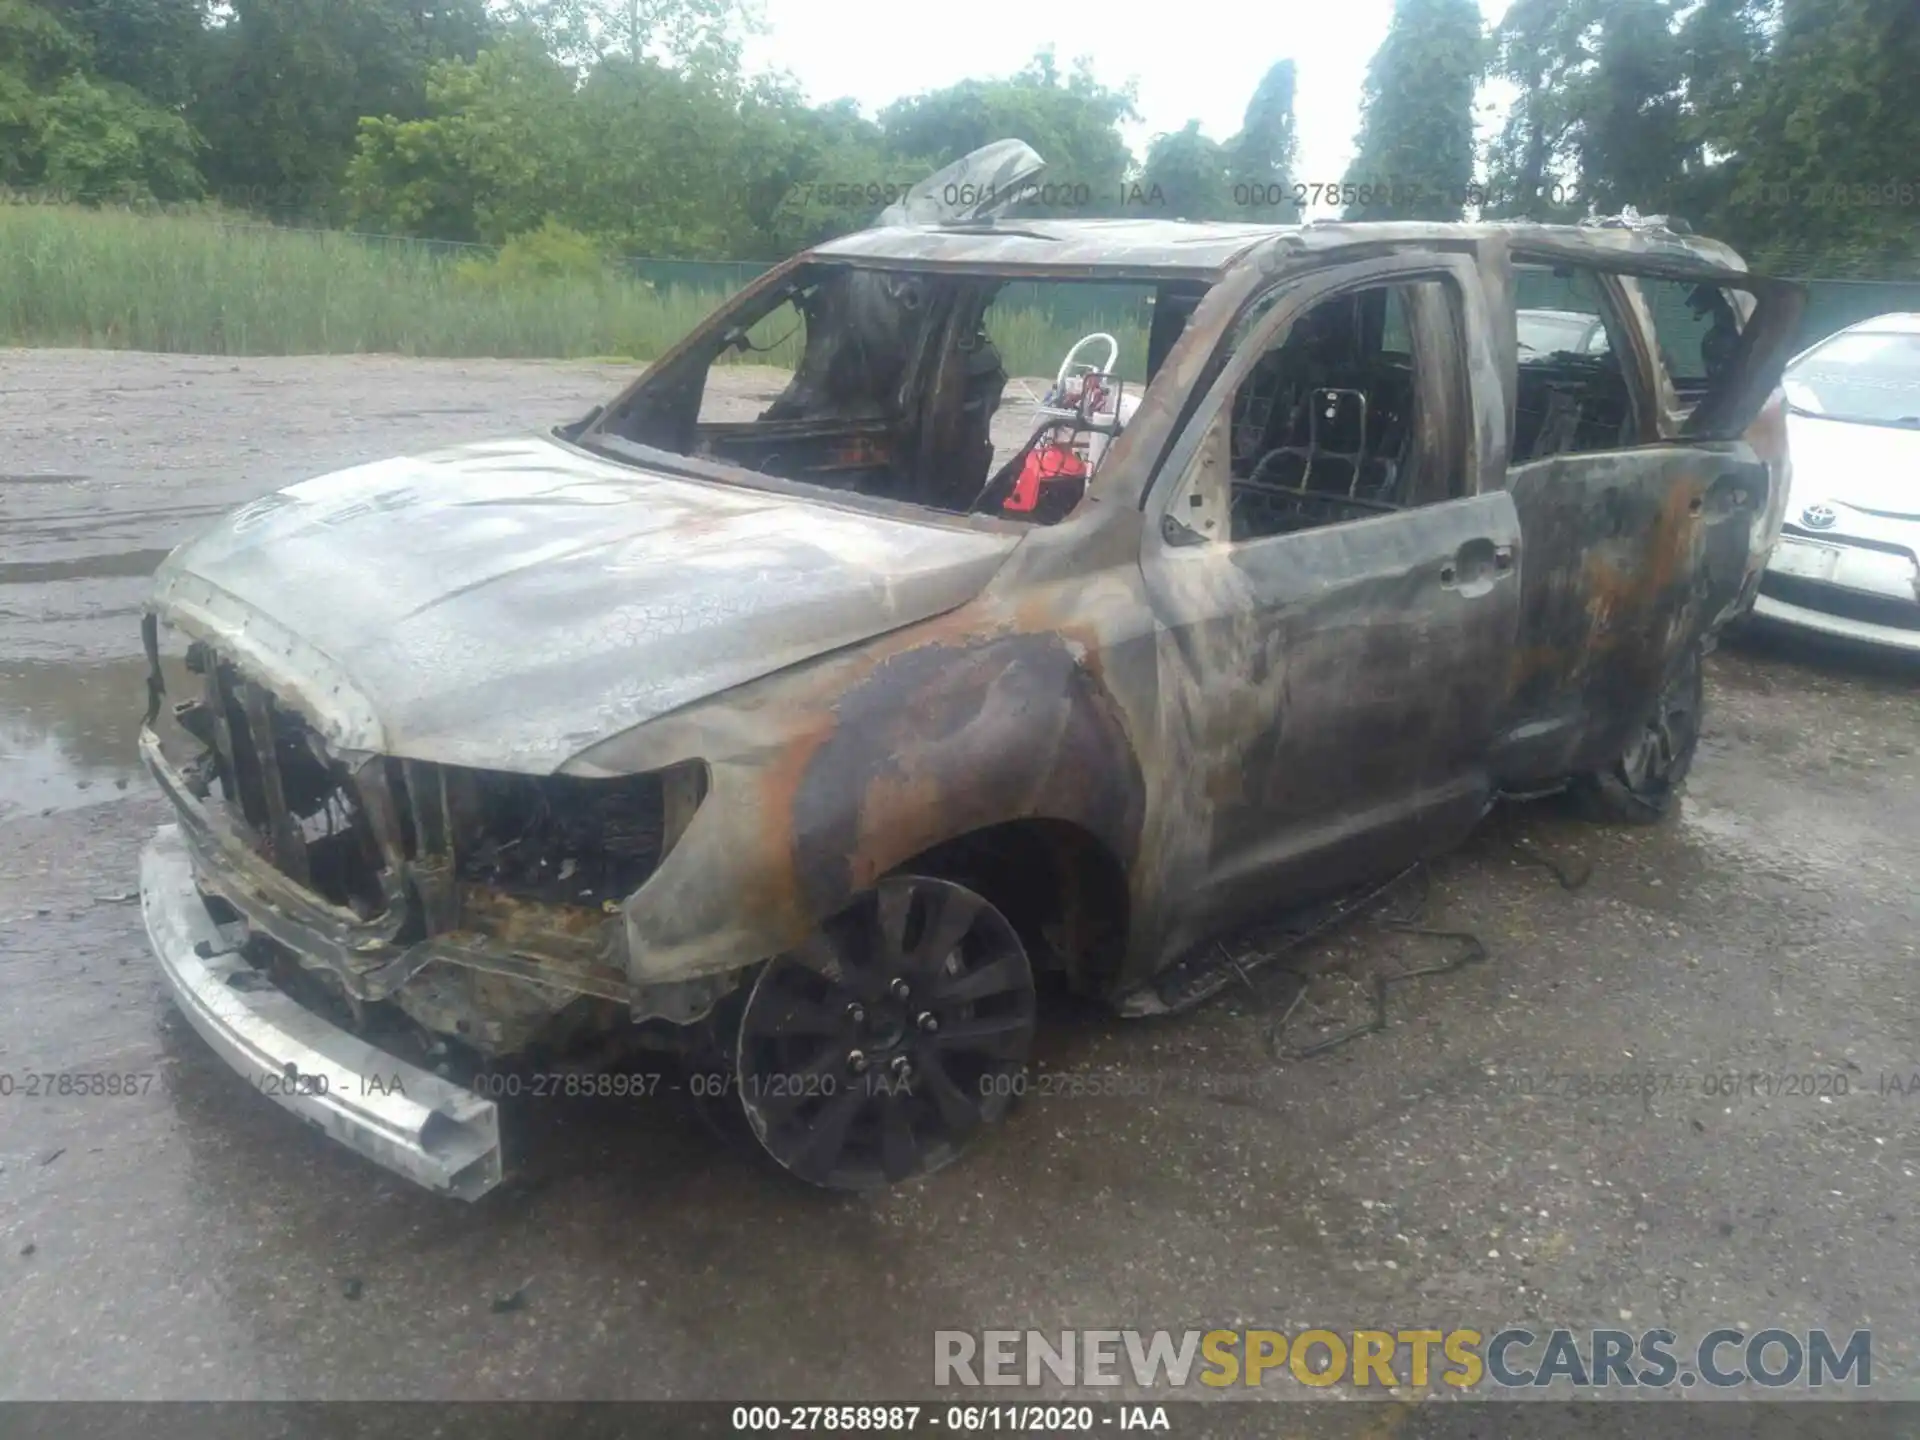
(1485, 399)
(1631, 546)
(1217, 860)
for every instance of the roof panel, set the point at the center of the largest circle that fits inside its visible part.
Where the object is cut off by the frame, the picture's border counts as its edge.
(1059, 244)
(1178, 246)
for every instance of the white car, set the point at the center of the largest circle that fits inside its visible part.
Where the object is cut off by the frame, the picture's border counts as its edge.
(1848, 561)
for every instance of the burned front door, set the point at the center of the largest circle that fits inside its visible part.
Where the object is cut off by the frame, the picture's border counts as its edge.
(1338, 600)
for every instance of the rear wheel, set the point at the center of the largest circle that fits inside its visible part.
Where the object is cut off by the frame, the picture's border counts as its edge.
(1643, 784)
(878, 1049)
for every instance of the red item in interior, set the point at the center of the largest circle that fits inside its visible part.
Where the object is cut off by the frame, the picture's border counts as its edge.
(1049, 460)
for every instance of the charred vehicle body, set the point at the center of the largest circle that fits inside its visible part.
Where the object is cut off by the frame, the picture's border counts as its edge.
(809, 741)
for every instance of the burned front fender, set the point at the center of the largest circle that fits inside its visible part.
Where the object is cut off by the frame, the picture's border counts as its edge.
(828, 777)
(949, 739)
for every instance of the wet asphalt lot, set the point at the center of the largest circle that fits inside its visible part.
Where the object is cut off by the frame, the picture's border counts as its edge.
(194, 1241)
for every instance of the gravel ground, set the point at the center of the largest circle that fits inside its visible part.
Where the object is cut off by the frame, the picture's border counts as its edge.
(194, 1241)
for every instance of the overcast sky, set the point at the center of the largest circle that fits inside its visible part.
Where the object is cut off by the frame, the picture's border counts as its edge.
(1193, 59)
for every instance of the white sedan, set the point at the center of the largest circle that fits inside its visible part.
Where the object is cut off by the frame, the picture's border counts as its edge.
(1848, 561)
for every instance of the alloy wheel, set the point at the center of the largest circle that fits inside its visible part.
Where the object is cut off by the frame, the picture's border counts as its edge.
(877, 1049)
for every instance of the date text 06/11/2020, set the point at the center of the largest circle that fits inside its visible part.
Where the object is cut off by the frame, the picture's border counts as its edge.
(1015, 1419)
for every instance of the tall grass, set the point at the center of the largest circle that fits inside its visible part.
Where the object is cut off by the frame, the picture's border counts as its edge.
(1033, 341)
(138, 282)
(119, 280)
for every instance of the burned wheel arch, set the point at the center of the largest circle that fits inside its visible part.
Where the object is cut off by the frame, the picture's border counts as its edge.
(947, 742)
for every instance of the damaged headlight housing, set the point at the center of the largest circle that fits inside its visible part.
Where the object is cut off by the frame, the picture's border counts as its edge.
(563, 840)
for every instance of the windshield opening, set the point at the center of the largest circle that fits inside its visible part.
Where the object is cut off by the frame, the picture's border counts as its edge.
(1868, 377)
(966, 393)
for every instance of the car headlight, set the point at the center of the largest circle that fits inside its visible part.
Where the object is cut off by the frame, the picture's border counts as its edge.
(564, 840)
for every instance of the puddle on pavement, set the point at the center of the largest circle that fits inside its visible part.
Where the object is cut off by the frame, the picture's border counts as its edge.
(69, 734)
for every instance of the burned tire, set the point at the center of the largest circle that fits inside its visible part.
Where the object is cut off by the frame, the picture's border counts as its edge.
(1642, 785)
(707, 1073)
(877, 1050)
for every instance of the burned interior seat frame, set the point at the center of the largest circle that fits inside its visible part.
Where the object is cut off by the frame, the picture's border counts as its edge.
(1337, 448)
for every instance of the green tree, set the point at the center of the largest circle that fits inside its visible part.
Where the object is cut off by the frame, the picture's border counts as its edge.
(696, 35)
(1415, 148)
(1260, 157)
(1072, 120)
(499, 150)
(667, 148)
(36, 53)
(104, 141)
(816, 172)
(646, 159)
(1829, 114)
(1623, 102)
(1631, 139)
(66, 128)
(1541, 47)
(1186, 174)
(286, 83)
(153, 46)
(1724, 46)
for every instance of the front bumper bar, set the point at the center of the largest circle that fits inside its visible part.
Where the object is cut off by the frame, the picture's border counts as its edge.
(1836, 569)
(1774, 611)
(415, 1123)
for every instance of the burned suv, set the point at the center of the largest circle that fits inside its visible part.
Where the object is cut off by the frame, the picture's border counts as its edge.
(807, 738)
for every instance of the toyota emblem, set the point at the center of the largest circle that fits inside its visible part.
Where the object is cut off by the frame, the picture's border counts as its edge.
(1818, 517)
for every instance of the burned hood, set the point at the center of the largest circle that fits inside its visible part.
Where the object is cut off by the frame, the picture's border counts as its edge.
(507, 605)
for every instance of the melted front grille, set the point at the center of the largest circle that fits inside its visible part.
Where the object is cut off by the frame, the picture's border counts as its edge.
(303, 809)
(392, 829)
